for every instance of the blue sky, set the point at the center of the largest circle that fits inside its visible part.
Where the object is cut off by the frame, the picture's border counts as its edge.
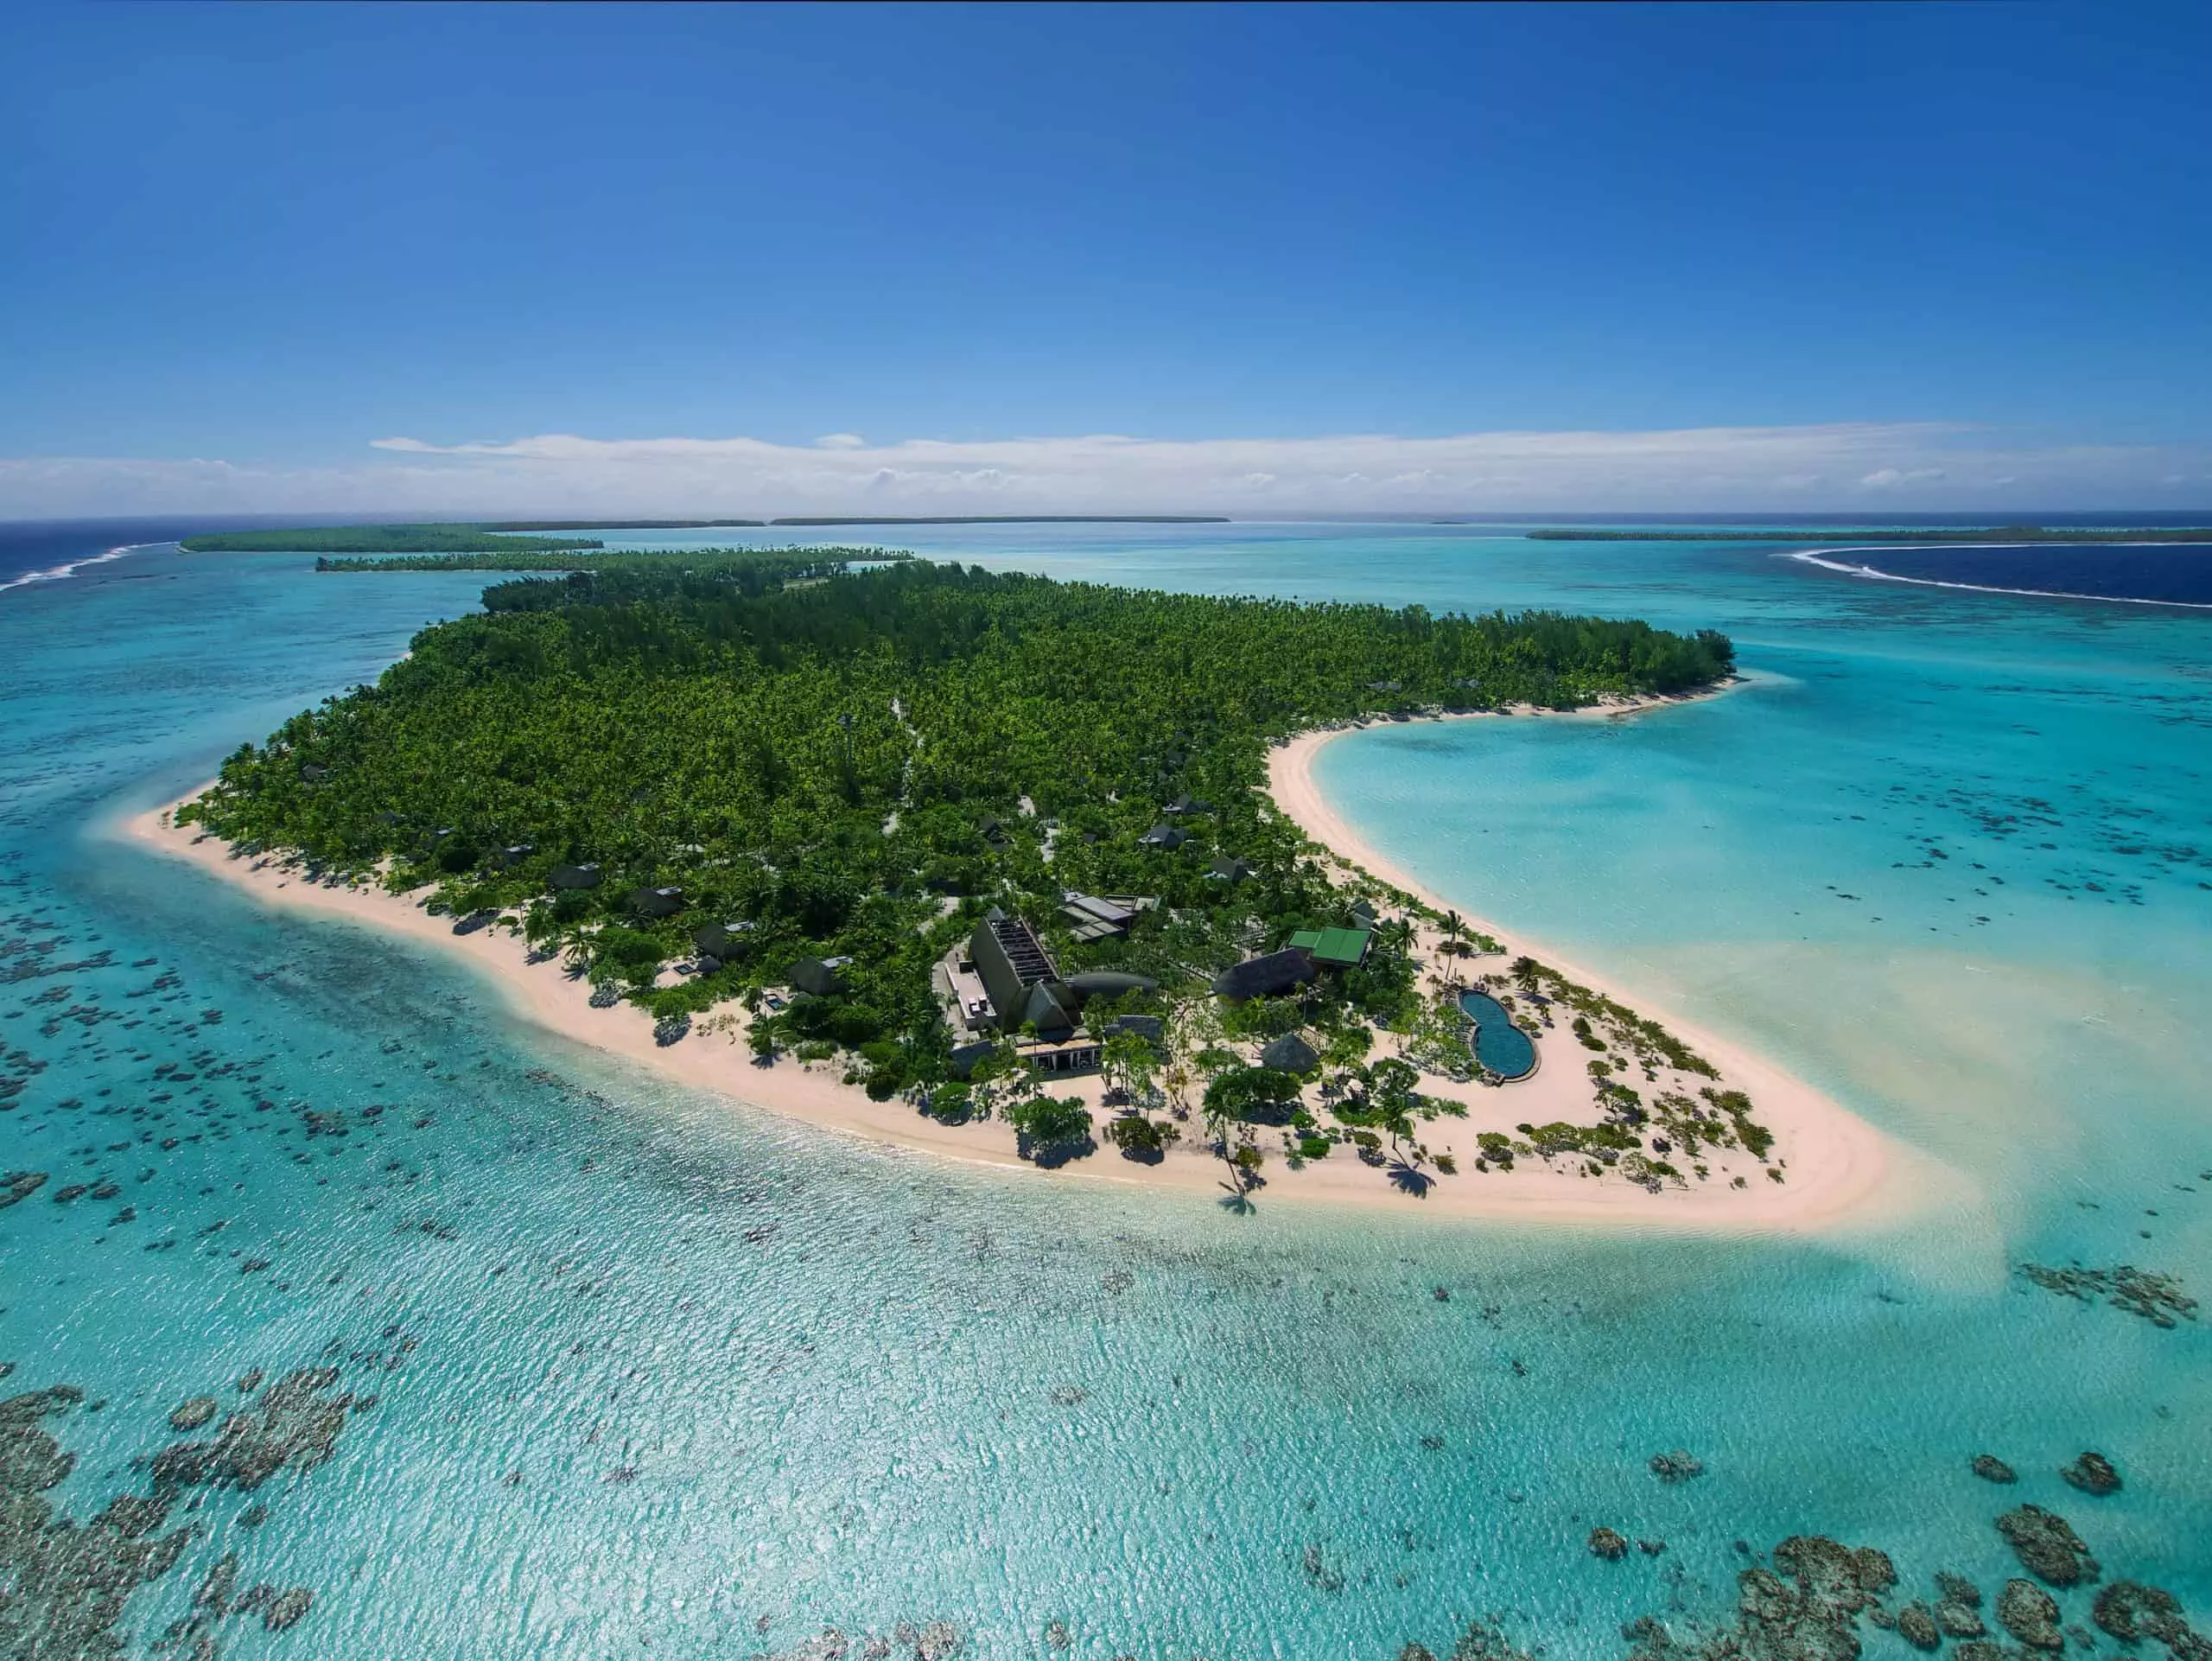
(1821, 256)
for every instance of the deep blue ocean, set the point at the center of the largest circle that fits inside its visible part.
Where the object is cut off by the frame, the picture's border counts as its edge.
(2174, 573)
(655, 1376)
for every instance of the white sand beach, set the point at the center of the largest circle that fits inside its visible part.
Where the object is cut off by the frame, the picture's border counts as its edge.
(1838, 1170)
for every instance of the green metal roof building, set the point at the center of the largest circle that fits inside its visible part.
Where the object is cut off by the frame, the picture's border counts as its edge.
(1339, 948)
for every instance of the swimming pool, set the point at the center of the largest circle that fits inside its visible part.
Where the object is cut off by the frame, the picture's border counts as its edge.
(1499, 1044)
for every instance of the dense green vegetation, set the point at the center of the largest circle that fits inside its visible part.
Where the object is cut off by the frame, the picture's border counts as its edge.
(379, 539)
(782, 564)
(2003, 533)
(854, 764)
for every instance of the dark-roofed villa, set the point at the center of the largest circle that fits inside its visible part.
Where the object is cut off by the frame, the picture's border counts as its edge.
(1101, 916)
(1266, 977)
(723, 941)
(819, 976)
(657, 903)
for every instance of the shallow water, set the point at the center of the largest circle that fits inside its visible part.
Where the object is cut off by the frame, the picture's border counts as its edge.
(651, 1371)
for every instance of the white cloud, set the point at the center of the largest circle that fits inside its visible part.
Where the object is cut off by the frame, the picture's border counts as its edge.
(1702, 469)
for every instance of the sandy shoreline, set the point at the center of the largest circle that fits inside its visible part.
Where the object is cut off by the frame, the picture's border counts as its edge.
(1841, 1171)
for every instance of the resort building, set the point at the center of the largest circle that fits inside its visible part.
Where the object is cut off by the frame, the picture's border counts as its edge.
(1151, 1028)
(1109, 983)
(820, 976)
(1010, 961)
(657, 903)
(1164, 836)
(1101, 916)
(1076, 1052)
(1290, 1054)
(1265, 977)
(1005, 981)
(1226, 869)
(723, 941)
(1333, 948)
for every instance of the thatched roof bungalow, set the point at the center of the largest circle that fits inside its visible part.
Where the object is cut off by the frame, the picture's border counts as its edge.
(1268, 976)
(657, 903)
(819, 977)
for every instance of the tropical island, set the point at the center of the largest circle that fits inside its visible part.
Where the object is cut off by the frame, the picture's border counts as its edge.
(756, 567)
(988, 863)
(617, 525)
(384, 540)
(1997, 533)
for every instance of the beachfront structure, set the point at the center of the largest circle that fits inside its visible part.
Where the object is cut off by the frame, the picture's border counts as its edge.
(1075, 1052)
(1189, 804)
(1164, 836)
(1265, 977)
(819, 977)
(1333, 948)
(965, 1056)
(1227, 869)
(1101, 916)
(1024, 989)
(723, 941)
(1290, 1054)
(1009, 959)
(574, 877)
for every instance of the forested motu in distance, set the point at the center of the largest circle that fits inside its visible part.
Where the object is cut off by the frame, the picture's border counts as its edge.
(385, 539)
(856, 764)
(750, 569)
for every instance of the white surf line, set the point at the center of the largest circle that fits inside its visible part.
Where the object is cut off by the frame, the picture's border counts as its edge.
(56, 573)
(1814, 556)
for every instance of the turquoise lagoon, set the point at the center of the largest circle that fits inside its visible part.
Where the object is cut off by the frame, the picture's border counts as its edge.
(657, 1376)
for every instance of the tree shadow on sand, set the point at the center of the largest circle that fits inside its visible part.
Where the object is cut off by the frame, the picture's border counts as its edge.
(1410, 1179)
(1050, 1155)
